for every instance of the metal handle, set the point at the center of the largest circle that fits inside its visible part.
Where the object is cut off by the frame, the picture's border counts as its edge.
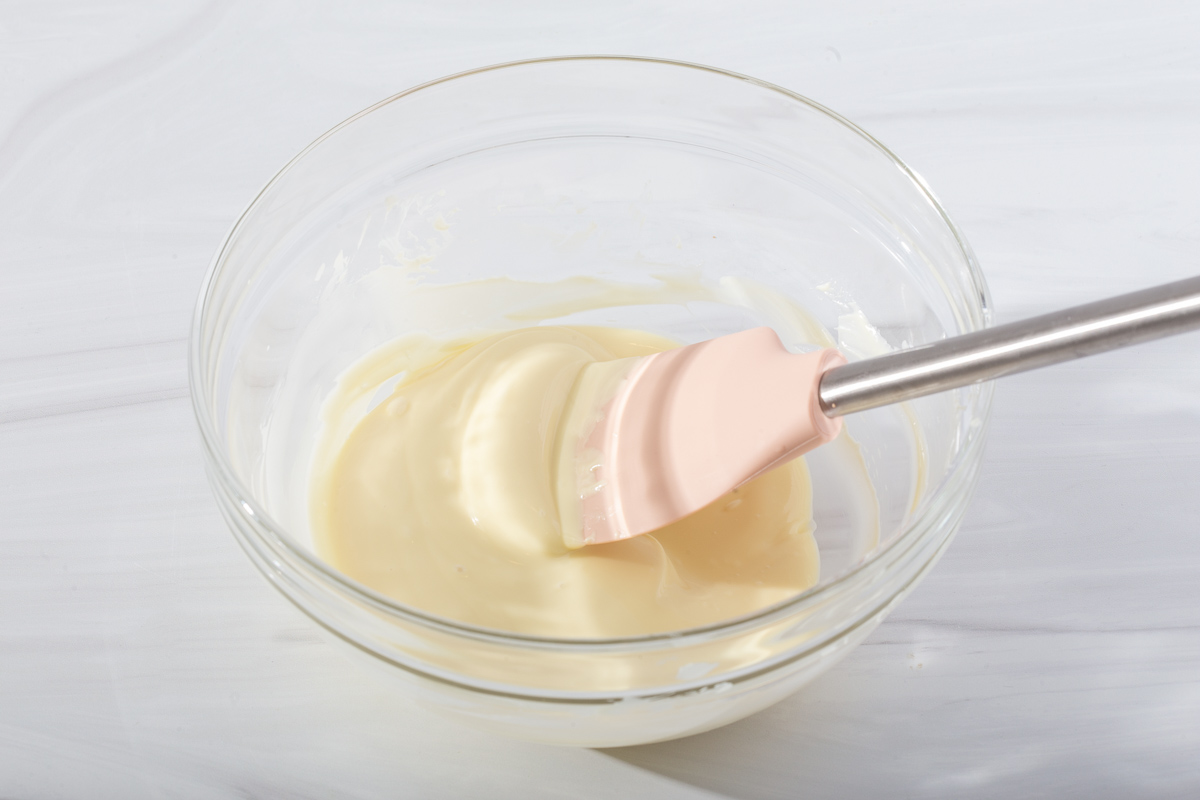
(1016, 347)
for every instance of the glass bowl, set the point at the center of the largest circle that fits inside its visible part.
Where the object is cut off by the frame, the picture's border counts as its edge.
(595, 172)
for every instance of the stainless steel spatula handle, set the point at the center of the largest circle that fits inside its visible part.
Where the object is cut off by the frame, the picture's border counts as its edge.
(994, 352)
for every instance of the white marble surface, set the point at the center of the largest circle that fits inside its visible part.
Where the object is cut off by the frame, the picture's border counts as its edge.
(1054, 652)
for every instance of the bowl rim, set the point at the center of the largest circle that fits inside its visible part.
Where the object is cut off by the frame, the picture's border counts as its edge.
(911, 533)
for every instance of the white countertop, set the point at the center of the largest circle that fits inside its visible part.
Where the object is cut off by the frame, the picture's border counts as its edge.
(1055, 650)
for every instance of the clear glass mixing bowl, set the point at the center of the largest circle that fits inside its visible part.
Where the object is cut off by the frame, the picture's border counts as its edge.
(620, 169)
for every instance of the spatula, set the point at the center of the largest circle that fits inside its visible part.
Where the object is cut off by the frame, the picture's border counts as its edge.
(658, 437)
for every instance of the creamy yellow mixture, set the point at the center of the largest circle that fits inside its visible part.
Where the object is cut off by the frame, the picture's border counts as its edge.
(442, 496)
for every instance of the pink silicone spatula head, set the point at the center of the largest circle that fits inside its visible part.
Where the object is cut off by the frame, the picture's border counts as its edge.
(677, 430)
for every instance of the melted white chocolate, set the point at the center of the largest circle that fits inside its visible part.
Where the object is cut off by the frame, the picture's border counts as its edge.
(443, 497)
